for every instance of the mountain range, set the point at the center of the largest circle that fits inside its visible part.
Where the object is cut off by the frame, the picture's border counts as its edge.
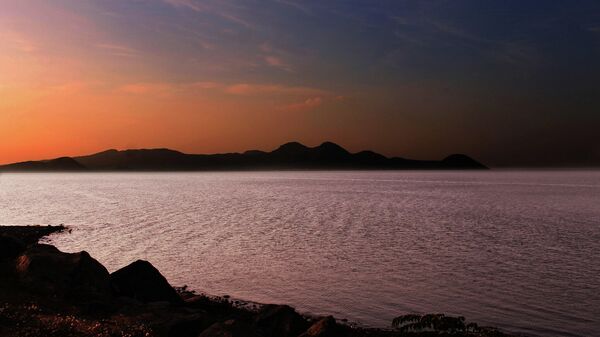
(288, 156)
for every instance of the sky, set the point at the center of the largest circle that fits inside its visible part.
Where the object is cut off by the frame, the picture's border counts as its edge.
(511, 83)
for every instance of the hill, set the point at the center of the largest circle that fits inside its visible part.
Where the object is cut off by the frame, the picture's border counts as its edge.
(289, 156)
(58, 164)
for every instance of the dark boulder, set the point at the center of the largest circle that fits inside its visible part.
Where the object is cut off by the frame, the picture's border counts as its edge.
(190, 325)
(280, 321)
(325, 327)
(141, 281)
(46, 270)
(229, 328)
(10, 247)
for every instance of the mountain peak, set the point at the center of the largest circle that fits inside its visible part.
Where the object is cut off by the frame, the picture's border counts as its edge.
(109, 151)
(153, 151)
(292, 147)
(331, 147)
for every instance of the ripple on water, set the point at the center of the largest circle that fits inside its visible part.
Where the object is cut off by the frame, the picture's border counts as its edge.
(519, 250)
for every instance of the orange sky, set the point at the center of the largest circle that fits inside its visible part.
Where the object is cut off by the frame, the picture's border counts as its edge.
(79, 88)
(208, 76)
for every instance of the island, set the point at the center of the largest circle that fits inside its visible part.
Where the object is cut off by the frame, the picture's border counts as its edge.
(289, 156)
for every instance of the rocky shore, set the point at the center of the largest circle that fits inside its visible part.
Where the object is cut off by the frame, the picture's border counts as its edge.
(46, 292)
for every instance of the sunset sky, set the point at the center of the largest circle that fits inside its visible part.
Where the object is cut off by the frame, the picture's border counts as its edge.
(507, 82)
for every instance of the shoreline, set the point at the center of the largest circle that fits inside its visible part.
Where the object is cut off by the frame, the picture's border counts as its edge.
(47, 292)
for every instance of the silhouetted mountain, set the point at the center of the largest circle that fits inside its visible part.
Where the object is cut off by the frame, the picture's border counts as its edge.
(58, 164)
(154, 159)
(460, 161)
(288, 156)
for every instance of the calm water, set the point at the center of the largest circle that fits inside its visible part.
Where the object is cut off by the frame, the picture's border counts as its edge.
(519, 250)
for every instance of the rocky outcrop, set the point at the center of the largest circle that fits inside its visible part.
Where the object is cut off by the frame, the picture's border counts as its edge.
(141, 281)
(325, 327)
(46, 270)
(45, 292)
(280, 321)
(10, 247)
(229, 328)
(188, 325)
(30, 235)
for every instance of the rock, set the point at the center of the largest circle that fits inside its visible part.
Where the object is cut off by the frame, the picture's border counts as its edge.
(325, 327)
(229, 328)
(46, 270)
(188, 325)
(30, 235)
(158, 305)
(280, 321)
(10, 247)
(141, 281)
(197, 299)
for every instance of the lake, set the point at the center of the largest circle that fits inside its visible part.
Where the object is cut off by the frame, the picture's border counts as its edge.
(515, 249)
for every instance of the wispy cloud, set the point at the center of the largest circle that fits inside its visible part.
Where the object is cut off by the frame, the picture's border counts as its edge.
(517, 53)
(425, 32)
(240, 89)
(186, 4)
(594, 29)
(220, 8)
(274, 57)
(308, 104)
(296, 6)
(237, 19)
(428, 30)
(272, 89)
(149, 88)
(117, 50)
(277, 62)
(206, 85)
(17, 41)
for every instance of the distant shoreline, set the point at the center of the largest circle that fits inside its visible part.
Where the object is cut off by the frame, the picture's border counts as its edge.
(289, 156)
(489, 169)
(257, 170)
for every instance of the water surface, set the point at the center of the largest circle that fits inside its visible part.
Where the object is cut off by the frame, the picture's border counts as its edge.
(518, 250)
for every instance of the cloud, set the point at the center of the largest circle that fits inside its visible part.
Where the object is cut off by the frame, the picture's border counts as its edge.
(517, 53)
(277, 62)
(297, 98)
(309, 103)
(218, 8)
(594, 29)
(236, 19)
(427, 32)
(149, 88)
(74, 87)
(206, 85)
(188, 4)
(266, 47)
(17, 41)
(274, 57)
(272, 89)
(296, 6)
(117, 50)
(168, 88)
(239, 89)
